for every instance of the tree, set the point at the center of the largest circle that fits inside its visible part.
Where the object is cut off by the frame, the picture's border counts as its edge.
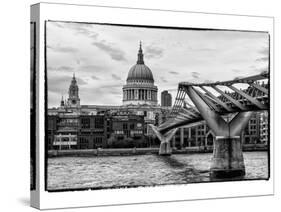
(111, 140)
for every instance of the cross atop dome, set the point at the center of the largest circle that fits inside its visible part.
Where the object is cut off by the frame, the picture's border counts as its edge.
(140, 56)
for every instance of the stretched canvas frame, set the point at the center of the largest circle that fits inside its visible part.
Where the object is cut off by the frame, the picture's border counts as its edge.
(40, 13)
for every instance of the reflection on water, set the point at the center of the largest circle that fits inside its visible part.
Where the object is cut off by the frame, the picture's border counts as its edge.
(141, 170)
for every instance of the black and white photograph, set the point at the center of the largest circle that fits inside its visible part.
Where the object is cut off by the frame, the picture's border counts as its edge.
(145, 106)
(140, 105)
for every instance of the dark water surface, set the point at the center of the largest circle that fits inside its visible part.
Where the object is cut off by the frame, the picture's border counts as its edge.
(141, 170)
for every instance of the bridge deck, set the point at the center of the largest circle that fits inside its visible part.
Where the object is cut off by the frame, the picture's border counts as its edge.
(222, 101)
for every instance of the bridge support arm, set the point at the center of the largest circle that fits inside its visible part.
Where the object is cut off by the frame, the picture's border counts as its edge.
(213, 119)
(238, 123)
(227, 156)
(165, 146)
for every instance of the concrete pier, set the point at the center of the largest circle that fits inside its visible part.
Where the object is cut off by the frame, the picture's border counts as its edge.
(165, 146)
(227, 158)
(165, 149)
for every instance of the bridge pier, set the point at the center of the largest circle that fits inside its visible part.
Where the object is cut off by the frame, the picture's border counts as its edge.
(165, 146)
(165, 149)
(227, 158)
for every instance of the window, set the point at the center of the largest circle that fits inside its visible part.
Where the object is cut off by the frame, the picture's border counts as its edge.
(99, 122)
(86, 133)
(85, 123)
(119, 132)
(83, 140)
(192, 132)
(65, 139)
(98, 140)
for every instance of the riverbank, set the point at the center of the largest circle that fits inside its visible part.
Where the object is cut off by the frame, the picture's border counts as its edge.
(102, 152)
(137, 151)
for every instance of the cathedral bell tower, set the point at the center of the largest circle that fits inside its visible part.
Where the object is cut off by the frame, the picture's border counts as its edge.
(73, 96)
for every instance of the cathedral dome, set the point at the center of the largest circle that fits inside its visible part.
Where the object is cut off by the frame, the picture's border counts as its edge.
(140, 72)
(140, 88)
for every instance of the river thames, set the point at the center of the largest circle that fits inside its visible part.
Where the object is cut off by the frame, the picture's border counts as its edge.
(141, 170)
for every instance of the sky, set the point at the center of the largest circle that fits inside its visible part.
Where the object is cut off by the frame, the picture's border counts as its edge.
(101, 56)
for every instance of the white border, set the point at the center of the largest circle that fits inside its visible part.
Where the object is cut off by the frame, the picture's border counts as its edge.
(81, 13)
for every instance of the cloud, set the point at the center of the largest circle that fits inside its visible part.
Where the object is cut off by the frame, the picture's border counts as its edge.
(172, 89)
(163, 79)
(153, 52)
(85, 29)
(173, 72)
(112, 86)
(114, 52)
(80, 81)
(59, 84)
(262, 59)
(93, 68)
(115, 92)
(208, 81)
(115, 77)
(60, 68)
(95, 78)
(236, 70)
(262, 70)
(202, 49)
(264, 50)
(62, 49)
(98, 96)
(259, 70)
(195, 74)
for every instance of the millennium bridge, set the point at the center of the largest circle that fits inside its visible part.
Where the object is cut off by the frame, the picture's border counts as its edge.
(214, 102)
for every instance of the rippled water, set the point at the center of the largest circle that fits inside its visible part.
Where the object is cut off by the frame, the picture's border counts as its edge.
(141, 170)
